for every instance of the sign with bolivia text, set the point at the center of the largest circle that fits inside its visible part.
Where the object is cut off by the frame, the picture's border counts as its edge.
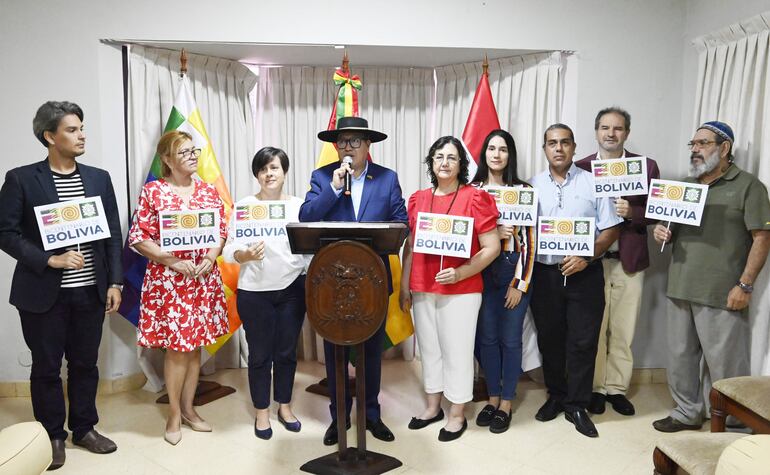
(517, 205)
(263, 221)
(72, 222)
(559, 236)
(676, 201)
(620, 177)
(443, 235)
(189, 229)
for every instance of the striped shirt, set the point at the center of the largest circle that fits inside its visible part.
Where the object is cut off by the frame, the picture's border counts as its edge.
(522, 242)
(70, 187)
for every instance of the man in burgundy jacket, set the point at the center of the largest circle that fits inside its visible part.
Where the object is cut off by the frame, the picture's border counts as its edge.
(624, 264)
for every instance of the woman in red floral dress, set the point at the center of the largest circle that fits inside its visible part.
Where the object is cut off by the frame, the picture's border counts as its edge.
(183, 301)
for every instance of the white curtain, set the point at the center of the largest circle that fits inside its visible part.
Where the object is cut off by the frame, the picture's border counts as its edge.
(733, 86)
(294, 103)
(221, 90)
(414, 106)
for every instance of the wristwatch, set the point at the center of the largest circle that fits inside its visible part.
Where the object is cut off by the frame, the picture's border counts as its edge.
(117, 286)
(748, 288)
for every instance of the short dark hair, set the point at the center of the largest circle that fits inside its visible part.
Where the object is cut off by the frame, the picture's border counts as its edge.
(510, 174)
(462, 176)
(555, 126)
(50, 114)
(266, 155)
(613, 110)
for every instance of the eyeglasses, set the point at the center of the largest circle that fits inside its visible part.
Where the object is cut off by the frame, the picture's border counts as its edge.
(189, 152)
(449, 159)
(699, 143)
(355, 142)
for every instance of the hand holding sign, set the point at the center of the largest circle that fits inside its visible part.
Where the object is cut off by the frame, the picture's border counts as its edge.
(255, 252)
(450, 275)
(71, 260)
(504, 232)
(623, 208)
(572, 265)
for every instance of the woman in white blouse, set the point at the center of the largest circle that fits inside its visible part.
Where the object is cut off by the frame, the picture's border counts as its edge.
(271, 288)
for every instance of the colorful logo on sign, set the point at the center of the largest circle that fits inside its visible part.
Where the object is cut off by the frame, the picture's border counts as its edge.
(512, 197)
(550, 226)
(443, 225)
(260, 212)
(65, 212)
(188, 220)
(676, 193)
(600, 169)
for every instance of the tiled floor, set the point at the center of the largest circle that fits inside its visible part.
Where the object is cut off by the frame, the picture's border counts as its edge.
(136, 424)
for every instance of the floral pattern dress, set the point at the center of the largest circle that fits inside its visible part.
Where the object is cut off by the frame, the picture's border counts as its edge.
(178, 312)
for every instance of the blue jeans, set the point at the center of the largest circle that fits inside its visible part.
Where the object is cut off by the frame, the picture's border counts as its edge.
(272, 321)
(499, 330)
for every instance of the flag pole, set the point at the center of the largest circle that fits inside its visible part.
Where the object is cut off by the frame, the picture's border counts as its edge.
(485, 66)
(345, 63)
(183, 63)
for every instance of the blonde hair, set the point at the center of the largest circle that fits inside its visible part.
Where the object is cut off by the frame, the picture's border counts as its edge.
(168, 146)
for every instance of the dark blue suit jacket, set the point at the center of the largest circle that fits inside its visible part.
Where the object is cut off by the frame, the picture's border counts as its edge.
(35, 286)
(381, 200)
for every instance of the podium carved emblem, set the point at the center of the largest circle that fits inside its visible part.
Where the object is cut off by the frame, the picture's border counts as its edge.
(347, 292)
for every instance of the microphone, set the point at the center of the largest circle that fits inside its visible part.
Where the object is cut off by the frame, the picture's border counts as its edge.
(349, 160)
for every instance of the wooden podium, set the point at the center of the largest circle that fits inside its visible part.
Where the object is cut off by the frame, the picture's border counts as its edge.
(346, 292)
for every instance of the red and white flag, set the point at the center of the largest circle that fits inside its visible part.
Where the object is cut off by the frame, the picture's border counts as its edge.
(482, 120)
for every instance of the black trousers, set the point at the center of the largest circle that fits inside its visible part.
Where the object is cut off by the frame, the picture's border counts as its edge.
(72, 328)
(373, 362)
(272, 321)
(568, 319)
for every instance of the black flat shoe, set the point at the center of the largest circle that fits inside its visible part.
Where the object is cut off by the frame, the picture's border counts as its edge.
(264, 434)
(380, 431)
(59, 456)
(331, 436)
(669, 424)
(582, 422)
(500, 422)
(621, 404)
(290, 426)
(549, 410)
(485, 415)
(416, 423)
(446, 436)
(596, 406)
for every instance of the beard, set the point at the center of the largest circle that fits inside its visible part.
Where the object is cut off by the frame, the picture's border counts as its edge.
(709, 163)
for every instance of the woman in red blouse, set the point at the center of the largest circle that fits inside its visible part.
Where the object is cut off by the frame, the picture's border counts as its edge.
(183, 301)
(445, 290)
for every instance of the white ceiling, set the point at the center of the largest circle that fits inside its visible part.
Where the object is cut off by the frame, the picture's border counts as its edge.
(328, 55)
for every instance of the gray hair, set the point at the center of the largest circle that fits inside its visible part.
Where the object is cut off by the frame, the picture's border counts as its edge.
(50, 114)
(613, 110)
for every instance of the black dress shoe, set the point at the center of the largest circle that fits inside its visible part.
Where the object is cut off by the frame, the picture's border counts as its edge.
(621, 404)
(380, 431)
(485, 416)
(57, 449)
(582, 422)
(500, 422)
(669, 424)
(596, 406)
(446, 436)
(549, 410)
(96, 443)
(331, 436)
(416, 423)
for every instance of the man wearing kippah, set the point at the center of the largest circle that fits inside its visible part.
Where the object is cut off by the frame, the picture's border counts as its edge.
(712, 274)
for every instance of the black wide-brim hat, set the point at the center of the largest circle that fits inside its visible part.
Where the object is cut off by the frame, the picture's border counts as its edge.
(352, 124)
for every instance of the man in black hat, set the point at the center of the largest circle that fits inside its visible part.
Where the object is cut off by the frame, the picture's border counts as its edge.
(374, 195)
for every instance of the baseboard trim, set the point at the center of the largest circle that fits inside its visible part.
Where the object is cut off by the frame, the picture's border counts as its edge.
(106, 386)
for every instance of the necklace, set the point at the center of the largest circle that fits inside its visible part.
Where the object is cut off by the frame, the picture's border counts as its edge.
(433, 193)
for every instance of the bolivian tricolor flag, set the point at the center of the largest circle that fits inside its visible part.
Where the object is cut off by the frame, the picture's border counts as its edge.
(398, 324)
(185, 116)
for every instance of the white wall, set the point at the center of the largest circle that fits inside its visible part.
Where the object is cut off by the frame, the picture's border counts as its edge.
(630, 54)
